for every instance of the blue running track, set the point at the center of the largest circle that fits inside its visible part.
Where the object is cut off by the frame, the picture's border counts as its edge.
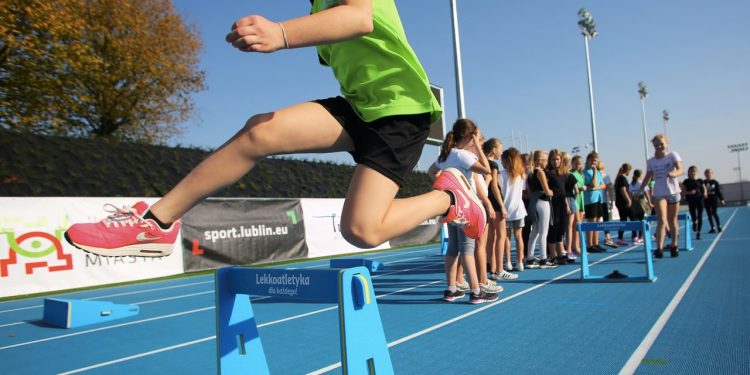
(692, 320)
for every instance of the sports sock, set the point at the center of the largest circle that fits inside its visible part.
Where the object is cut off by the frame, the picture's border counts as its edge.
(162, 225)
(453, 201)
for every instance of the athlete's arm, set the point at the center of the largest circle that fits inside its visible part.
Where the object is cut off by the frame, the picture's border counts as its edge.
(255, 33)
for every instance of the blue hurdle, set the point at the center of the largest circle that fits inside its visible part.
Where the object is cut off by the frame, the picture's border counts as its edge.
(616, 226)
(443, 239)
(688, 233)
(74, 313)
(364, 349)
(371, 265)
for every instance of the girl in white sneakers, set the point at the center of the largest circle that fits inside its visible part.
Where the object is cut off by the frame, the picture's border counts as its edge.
(513, 177)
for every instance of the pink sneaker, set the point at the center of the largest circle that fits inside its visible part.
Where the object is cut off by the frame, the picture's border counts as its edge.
(124, 233)
(467, 210)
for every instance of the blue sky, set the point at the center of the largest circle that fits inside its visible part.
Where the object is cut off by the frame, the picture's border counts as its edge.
(524, 72)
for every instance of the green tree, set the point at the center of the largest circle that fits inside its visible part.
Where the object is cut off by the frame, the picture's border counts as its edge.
(123, 69)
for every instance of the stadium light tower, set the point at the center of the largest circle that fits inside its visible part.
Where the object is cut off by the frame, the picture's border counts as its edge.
(457, 60)
(739, 148)
(665, 118)
(588, 28)
(643, 93)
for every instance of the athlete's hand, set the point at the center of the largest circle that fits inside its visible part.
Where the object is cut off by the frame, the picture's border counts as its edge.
(256, 34)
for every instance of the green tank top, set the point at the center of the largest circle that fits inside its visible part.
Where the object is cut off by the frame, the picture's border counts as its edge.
(379, 73)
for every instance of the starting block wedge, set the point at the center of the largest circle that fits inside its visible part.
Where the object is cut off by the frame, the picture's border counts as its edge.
(371, 265)
(364, 349)
(72, 313)
(616, 226)
(682, 219)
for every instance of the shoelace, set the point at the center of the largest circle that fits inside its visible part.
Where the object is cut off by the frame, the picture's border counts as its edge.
(126, 215)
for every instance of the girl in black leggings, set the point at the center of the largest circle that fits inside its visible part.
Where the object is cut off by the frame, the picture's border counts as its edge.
(713, 197)
(695, 191)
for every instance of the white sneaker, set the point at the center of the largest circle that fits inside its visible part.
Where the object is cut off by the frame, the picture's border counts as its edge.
(519, 266)
(508, 266)
(507, 276)
(489, 288)
(464, 286)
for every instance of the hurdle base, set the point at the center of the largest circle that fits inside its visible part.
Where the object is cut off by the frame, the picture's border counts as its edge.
(72, 313)
(596, 278)
(371, 265)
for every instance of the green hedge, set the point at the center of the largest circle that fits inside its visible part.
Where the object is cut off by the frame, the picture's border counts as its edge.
(44, 166)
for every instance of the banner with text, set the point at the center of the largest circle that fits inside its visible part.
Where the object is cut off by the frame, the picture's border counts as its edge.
(221, 232)
(35, 258)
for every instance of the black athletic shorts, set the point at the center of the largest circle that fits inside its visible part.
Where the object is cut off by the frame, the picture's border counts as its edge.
(390, 145)
(592, 211)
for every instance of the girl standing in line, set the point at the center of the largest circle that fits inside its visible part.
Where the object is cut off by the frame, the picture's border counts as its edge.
(461, 152)
(623, 202)
(571, 191)
(592, 199)
(496, 241)
(576, 165)
(713, 198)
(513, 177)
(642, 205)
(539, 198)
(695, 192)
(664, 168)
(480, 252)
(556, 176)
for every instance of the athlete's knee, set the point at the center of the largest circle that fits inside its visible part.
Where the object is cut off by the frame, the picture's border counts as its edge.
(258, 133)
(361, 235)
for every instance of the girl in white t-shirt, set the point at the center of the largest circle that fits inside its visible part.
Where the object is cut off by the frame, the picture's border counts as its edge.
(664, 168)
(462, 150)
(513, 179)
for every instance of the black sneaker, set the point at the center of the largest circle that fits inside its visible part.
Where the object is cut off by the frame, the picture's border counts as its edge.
(674, 252)
(547, 264)
(449, 296)
(482, 297)
(712, 230)
(698, 236)
(719, 228)
(533, 264)
(595, 249)
(562, 260)
(659, 253)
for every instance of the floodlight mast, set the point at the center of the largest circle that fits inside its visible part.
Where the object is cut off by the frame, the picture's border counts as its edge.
(643, 93)
(588, 28)
(739, 147)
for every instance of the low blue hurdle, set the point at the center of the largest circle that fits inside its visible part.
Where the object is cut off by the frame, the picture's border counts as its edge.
(687, 234)
(444, 239)
(616, 226)
(74, 313)
(371, 265)
(364, 349)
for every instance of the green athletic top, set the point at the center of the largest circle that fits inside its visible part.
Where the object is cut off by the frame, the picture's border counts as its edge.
(580, 182)
(379, 73)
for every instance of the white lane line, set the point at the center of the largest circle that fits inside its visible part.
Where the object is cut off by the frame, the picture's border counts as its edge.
(157, 351)
(106, 328)
(114, 295)
(635, 359)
